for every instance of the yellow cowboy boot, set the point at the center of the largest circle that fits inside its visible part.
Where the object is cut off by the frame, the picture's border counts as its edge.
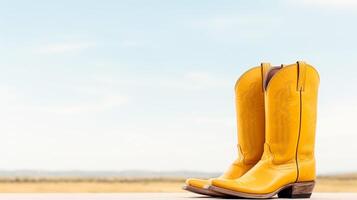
(287, 167)
(249, 100)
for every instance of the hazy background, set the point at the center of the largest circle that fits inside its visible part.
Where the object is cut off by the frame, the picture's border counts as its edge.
(121, 85)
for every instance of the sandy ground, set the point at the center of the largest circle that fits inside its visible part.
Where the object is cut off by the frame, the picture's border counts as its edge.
(143, 196)
(323, 185)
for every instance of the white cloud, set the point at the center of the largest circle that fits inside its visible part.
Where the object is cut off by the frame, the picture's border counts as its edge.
(200, 80)
(13, 102)
(99, 105)
(132, 43)
(59, 48)
(7, 95)
(345, 4)
(336, 136)
(231, 21)
(192, 80)
(238, 26)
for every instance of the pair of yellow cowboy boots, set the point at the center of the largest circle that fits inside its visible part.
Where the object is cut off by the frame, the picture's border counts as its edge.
(276, 117)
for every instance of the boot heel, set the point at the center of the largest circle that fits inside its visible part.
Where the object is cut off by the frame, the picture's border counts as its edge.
(298, 190)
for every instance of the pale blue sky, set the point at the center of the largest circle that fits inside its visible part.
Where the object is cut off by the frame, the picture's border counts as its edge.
(116, 85)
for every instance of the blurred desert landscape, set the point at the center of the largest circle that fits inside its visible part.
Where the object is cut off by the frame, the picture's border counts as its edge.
(131, 181)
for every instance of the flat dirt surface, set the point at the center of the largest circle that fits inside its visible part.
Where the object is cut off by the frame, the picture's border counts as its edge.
(146, 196)
(83, 186)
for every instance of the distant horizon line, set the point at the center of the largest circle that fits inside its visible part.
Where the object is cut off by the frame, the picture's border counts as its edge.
(127, 173)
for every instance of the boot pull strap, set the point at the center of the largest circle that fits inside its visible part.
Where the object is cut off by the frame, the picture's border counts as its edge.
(264, 69)
(301, 75)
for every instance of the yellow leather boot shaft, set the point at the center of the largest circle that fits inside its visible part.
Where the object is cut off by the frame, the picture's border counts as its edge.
(250, 115)
(306, 146)
(291, 99)
(249, 101)
(290, 107)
